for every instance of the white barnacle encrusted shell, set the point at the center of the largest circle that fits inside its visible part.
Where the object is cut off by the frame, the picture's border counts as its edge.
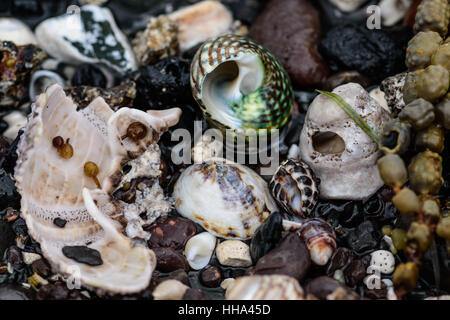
(267, 287)
(339, 152)
(54, 187)
(227, 199)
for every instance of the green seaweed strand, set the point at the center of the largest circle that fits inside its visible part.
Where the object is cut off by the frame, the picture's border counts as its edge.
(352, 114)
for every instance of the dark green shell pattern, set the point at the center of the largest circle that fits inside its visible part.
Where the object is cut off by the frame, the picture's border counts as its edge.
(268, 107)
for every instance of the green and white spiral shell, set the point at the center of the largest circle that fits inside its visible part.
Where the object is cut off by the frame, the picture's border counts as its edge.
(240, 85)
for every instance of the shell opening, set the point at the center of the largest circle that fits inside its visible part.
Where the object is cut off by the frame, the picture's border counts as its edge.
(228, 83)
(328, 142)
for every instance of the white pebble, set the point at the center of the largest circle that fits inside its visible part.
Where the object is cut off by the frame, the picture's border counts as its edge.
(233, 253)
(15, 121)
(339, 276)
(199, 249)
(392, 11)
(383, 260)
(170, 290)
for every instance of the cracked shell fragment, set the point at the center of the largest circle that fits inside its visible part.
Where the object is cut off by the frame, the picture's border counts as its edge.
(56, 184)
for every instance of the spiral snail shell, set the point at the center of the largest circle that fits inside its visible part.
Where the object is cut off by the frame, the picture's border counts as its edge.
(319, 237)
(240, 85)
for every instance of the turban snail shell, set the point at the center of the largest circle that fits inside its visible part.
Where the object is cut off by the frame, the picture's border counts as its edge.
(240, 85)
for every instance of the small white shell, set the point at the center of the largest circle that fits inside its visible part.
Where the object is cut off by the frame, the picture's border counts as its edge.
(16, 31)
(201, 21)
(169, 290)
(233, 253)
(267, 287)
(227, 199)
(199, 249)
(383, 260)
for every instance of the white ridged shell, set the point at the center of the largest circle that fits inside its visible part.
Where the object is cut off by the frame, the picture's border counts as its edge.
(52, 187)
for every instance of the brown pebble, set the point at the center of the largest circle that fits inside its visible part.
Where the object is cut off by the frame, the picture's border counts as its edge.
(211, 276)
(170, 260)
(171, 232)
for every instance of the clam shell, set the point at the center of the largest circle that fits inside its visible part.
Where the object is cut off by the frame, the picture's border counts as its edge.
(267, 287)
(240, 85)
(227, 199)
(54, 187)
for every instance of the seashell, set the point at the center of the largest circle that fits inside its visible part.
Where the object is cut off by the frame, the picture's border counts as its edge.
(240, 85)
(267, 287)
(233, 253)
(378, 95)
(15, 120)
(227, 199)
(393, 92)
(56, 184)
(90, 36)
(16, 31)
(320, 238)
(169, 290)
(339, 152)
(201, 21)
(41, 80)
(383, 261)
(295, 187)
(199, 249)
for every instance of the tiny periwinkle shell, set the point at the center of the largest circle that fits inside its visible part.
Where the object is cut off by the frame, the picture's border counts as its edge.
(240, 85)
(320, 239)
(227, 199)
(295, 187)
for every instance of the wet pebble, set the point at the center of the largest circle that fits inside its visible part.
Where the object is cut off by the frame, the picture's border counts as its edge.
(170, 290)
(362, 238)
(266, 237)
(290, 258)
(376, 54)
(42, 268)
(52, 291)
(83, 254)
(14, 257)
(341, 259)
(322, 287)
(170, 260)
(355, 273)
(233, 253)
(211, 276)
(171, 232)
(290, 29)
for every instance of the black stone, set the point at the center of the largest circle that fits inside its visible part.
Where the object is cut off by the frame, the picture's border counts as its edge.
(53, 292)
(9, 197)
(363, 238)
(266, 237)
(355, 273)
(321, 287)
(89, 75)
(83, 254)
(41, 267)
(15, 258)
(163, 85)
(9, 159)
(211, 276)
(341, 259)
(20, 227)
(4, 145)
(376, 54)
(7, 236)
(60, 222)
(170, 260)
(27, 8)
